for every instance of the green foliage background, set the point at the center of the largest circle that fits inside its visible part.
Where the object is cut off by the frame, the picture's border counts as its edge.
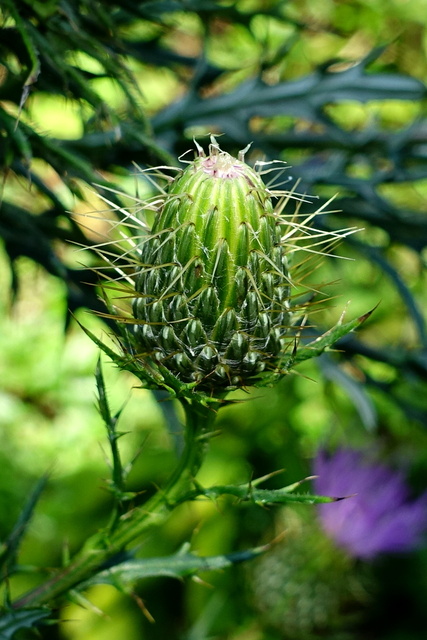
(336, 89)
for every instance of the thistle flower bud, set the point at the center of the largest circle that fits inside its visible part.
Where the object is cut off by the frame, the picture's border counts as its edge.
(213, 290)
(214, 296)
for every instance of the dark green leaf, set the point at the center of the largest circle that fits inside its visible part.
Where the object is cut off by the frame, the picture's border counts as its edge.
(10, 547)
(13, 621)
(302, 98)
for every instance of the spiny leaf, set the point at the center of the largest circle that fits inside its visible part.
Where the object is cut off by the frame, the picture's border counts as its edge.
(254, 97)
(10, 547)
(249, 492)
(117, 483)
(178, 565)
(328, 339)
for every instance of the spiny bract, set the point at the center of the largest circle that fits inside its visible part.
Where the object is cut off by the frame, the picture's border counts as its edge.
(213, 291)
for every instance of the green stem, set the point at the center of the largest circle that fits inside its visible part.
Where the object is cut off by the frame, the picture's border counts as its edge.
(103, 546)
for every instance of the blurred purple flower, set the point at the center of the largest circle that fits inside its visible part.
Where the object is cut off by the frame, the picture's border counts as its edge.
(381, 518)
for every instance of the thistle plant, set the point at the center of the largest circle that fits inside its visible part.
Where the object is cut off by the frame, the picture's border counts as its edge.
(211, 298)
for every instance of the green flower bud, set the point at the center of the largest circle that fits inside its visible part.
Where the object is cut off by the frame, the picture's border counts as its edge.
(215, 301)
(213, 291)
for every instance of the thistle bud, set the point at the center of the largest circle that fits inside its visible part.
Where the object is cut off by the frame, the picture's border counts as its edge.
(214, 298)
(213, 290)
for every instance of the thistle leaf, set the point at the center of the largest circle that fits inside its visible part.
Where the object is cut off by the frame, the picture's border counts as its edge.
(249, 492)
(181, 564)
(10, 547)
(118, 473)
(328, 339)
(256, 98)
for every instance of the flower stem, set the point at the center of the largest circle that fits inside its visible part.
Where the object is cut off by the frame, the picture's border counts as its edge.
(104, 545)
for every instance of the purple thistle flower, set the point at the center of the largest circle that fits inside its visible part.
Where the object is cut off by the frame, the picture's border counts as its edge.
(379, 517)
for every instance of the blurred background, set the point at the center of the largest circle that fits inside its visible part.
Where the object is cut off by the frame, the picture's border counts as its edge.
(89, 92)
